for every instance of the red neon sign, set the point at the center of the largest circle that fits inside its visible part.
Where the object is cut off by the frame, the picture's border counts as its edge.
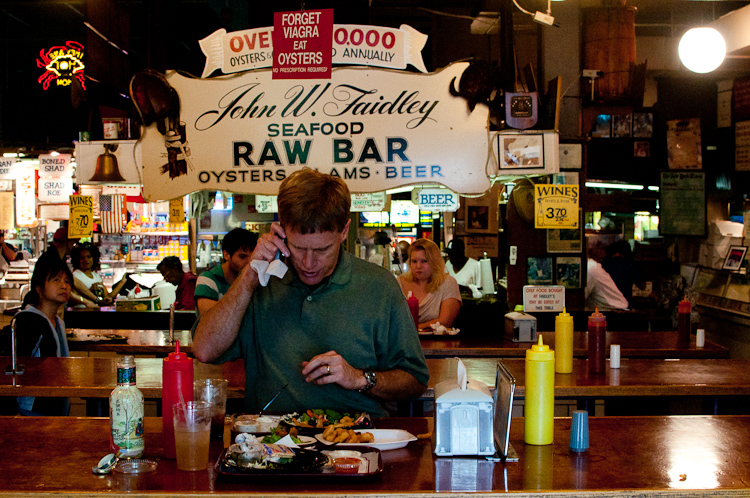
(61, 64)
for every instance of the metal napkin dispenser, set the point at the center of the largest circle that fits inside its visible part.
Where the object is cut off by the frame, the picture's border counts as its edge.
(463, 419)
(520, 327)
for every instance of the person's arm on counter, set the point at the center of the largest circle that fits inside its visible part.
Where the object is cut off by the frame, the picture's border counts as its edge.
(449, 310)
(219, 327)
(331, 367)
(83, 291)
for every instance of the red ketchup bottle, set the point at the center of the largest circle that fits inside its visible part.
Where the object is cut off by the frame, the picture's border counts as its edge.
(683, 322)
(597, 341)
(413, 303)
(177, 386)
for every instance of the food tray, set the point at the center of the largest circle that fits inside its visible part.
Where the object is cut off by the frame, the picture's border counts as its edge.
(313, 471)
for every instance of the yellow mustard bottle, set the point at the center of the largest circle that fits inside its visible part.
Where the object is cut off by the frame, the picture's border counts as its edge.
(564, 343)
(539, 410)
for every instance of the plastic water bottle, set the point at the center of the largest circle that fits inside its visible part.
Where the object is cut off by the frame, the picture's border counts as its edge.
(539, 411)
(177, 387)
(126, 412)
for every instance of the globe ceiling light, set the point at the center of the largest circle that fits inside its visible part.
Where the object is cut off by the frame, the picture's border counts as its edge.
(702, 49)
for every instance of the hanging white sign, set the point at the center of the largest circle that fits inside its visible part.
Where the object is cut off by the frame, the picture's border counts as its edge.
(7, 169)
(25, 198)
(437, 200)
(377, 129)
(55, 165)
(352, 44)
(55, 189)
(368, 202)
(266, 204)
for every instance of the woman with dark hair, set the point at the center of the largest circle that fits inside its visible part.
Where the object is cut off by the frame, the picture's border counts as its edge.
(85, 259)
(437, 292)
(39, 331)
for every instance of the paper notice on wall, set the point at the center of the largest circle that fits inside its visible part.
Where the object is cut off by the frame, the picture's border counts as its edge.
(6, 211)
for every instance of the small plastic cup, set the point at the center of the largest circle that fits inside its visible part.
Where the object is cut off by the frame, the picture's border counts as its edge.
(614, 356)
(579, 431)
(213, 391)
(346, 465)
(192, 434)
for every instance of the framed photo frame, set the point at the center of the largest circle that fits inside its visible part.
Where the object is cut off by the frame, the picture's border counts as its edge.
(480, 213)
(602, 126)
(641, 148)
(568, 272)
(538, 270)
(643, 124)
(622, 125)
(524, 151)
(564, 240)
(735, 256)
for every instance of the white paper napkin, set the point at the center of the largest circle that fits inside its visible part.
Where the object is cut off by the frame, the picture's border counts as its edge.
(287, 440)
(264, 269)
(461, 375)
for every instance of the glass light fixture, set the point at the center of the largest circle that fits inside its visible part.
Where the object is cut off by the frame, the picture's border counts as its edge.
(702, 49)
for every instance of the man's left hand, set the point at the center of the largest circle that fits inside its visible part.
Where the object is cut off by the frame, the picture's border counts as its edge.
(332, 368)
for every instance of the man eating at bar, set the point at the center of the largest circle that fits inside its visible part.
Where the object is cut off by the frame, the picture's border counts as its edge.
(335, 328)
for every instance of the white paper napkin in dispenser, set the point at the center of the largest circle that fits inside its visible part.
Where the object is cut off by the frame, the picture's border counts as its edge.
(463, 416)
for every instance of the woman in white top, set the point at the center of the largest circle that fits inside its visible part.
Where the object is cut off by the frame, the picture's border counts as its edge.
(437, 292)
(85, 260)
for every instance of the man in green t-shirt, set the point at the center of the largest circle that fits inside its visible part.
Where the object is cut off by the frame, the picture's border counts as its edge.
(335, 330)
(236, 248)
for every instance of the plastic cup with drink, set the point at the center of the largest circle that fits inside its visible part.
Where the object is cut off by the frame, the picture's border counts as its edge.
(192, 431)
(215, 392)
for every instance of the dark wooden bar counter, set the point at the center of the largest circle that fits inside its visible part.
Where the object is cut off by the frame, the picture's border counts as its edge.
(95, 377)
(108, 318)
(701, 456)
(634, 344)
(139, 342)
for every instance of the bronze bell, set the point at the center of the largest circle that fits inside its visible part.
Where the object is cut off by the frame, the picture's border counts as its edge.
(106, 167)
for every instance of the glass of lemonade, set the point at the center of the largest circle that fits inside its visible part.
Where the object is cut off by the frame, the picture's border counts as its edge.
(192, 434)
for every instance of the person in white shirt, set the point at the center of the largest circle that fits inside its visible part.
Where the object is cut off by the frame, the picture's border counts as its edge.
(601, 290)
(466, 271)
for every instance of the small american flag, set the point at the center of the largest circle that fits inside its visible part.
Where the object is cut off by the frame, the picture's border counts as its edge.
(112, 210)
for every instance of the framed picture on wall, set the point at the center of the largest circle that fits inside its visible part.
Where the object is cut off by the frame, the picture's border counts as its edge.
(602, 126)
(568, 272)
(538, 270)
(643, 124)
(621, 125)
(564, 240)
(735, 256)
(521, 151)
(480, 213)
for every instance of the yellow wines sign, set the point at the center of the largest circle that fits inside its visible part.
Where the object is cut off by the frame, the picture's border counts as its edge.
(556, 206)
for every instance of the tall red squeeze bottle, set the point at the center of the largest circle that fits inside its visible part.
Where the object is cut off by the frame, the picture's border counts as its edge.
(683, 322)
(177, 387)
(597, 341)
(413, 303)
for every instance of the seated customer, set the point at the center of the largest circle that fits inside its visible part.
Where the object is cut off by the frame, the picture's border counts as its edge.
(437, 292)
(601, 291)
(236, 249)
(335, 330)
(620, 265)
(466, 271)
(85, 259)
(171, 269)
(39, 331)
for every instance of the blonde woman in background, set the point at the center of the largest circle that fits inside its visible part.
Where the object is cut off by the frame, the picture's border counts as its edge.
(437, 292)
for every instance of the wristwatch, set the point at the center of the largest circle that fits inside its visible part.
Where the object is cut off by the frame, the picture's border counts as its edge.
(372, 379)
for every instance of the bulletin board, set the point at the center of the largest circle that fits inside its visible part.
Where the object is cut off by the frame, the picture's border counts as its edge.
(682, 206)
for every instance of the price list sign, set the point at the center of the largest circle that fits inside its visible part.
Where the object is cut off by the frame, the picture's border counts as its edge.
(303, 44)
(80, 222)
(556, 206)
(176, 212)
